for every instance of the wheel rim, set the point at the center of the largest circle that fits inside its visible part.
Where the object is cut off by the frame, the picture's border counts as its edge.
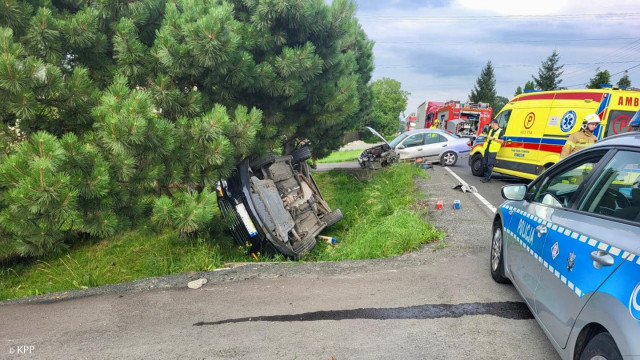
(449, 158)
(496, 249)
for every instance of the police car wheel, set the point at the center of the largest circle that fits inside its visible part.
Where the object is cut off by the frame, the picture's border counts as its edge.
(497, 259)
(601, 346)
(477, 168)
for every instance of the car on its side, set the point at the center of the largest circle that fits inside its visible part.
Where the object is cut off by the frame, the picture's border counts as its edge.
(432, 145)
(570, 243)
(273, 204)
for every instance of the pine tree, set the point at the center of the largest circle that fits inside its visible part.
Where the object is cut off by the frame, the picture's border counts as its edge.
(485, 88)
(144, 99)
(529, 86)
(601, 77)
(624, 80)
(549, 73)
(518, 91)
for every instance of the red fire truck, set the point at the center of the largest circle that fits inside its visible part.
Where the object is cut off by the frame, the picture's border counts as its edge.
(463, 119)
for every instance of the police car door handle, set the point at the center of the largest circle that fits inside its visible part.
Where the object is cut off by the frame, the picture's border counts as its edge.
(445, 145)
(601, 258)
(541, 229)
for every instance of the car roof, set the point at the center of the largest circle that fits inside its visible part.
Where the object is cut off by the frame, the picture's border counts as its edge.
(627, 139)
(418, 131)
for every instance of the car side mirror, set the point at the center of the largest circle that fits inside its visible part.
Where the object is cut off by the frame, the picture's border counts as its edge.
(514, 192)
(400, 147)
(485, 129)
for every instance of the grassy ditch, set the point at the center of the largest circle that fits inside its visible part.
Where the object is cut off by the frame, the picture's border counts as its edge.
(341, 156)
(380, 219)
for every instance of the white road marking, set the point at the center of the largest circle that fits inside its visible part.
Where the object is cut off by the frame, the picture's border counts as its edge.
(482, 199)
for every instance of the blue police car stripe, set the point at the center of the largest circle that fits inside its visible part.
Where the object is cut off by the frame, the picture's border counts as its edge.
(625, 256)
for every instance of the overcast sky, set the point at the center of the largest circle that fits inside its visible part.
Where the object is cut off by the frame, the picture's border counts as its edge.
(437, 48)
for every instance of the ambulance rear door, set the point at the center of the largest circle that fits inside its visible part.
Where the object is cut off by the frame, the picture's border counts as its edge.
(617, 118)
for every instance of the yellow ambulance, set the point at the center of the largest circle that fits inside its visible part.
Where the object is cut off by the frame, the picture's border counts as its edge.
(536, 125)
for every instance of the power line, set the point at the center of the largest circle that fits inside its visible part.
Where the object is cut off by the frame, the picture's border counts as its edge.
(442, 42)
(440, 19)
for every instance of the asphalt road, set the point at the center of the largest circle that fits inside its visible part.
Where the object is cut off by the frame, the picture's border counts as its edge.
(437, 303)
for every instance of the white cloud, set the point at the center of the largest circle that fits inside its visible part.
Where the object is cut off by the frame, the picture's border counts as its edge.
(437, 52)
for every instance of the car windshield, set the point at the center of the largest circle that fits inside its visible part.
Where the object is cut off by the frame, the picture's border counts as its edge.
(397, 140)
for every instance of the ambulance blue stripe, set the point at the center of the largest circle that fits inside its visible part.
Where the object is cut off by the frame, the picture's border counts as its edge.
(536, 140)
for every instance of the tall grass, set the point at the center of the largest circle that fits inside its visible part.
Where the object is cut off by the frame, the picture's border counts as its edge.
(129, 256)
(378, 217)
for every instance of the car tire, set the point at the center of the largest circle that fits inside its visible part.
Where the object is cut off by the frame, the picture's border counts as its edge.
(332, 217)
(477, 167)
(260, 163)
(497, 257)
(449, 158)
(601, 346)
(301, 154)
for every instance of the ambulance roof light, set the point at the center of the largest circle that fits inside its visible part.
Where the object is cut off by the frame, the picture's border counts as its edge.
(635, 121)
(530, 91)
(604, 86)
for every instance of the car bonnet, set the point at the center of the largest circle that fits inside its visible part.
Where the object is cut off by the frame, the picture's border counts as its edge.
(378, 135)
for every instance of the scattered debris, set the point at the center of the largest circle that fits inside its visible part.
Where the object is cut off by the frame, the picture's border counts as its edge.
(456, 204)
(440, 204)
(197, 284)
(330, 240)
(466, 188)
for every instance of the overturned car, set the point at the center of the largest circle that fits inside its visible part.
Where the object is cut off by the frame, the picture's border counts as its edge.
(274, 205)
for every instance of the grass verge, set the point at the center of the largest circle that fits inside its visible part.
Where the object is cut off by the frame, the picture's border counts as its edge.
(341, 156)
(379, 221)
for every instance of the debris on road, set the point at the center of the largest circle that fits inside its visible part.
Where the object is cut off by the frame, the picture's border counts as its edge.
(465, 188)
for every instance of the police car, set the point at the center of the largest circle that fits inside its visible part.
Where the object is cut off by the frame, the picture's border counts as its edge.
(570, 243)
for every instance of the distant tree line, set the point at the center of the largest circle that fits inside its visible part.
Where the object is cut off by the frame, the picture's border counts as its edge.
(549, 78)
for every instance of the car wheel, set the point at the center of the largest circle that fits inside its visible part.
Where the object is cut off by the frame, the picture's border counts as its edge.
(333, 217)
(301, 154)
(601, 346)
(449, 158)
(497, 258)
(477, 168)
(260, 163)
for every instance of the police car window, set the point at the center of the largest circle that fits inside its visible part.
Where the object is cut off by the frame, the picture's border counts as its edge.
(616, 192)
(414, 140)
(433, 138)
(503, 119)
(559, 189)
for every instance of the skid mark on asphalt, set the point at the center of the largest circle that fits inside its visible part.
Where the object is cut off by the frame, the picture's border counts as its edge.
(508, 310)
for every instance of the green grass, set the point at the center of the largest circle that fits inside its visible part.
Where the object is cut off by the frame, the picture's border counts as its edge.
(340, 156)
(379, 221)
(378, 217)
(126, 257)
